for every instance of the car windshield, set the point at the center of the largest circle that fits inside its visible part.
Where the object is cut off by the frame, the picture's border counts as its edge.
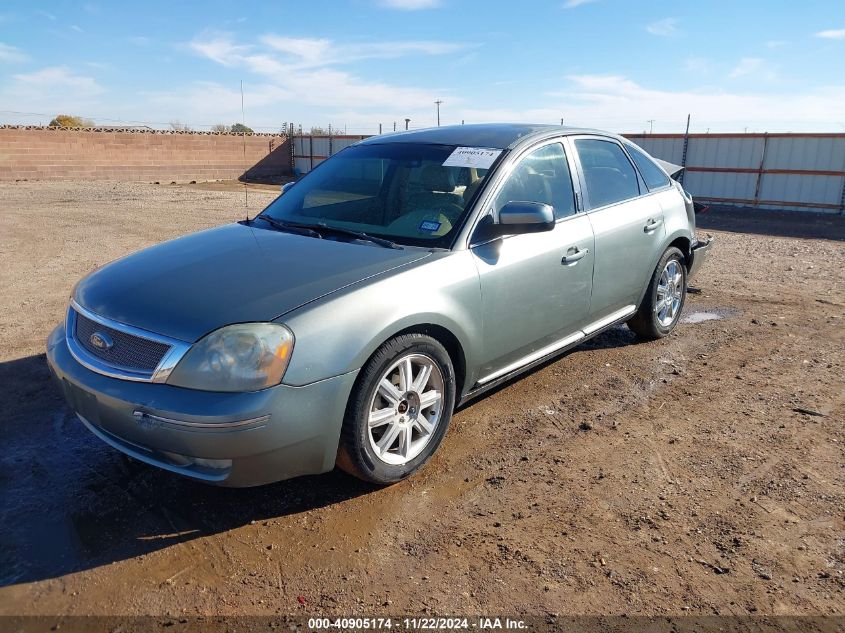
(399, 191)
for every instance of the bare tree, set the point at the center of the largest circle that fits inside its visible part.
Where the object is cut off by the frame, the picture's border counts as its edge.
(221, 128)
(178, 126)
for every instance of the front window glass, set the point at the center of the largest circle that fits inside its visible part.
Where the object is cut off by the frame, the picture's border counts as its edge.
(609, 174)
(542, 176)
(400, 191)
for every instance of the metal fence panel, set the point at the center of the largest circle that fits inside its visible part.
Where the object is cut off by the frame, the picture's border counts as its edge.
(301, 165)
(670, 149)
(807, 152)
(801, 188)
(725, 152)
(343, 143)
(727, 185)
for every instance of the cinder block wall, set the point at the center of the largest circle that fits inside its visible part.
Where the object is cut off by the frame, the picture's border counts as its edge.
(36, 153)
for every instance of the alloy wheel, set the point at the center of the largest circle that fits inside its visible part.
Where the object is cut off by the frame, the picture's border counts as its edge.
(405, 409)
(670, 292)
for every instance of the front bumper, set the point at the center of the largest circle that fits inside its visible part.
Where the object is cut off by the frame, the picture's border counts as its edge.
(228, 439)
(699, 253)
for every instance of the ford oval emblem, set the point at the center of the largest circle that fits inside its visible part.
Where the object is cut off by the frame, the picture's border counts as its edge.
(101, 340)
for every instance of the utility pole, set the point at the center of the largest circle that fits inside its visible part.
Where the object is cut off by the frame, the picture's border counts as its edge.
(406, 123)
(438, 102)
(650, 125)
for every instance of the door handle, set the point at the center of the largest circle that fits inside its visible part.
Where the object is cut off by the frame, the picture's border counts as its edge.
(573, 255)
(652, 224)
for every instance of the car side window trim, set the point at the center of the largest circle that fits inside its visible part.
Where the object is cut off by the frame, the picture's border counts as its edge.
(587, 203)
(484, 203)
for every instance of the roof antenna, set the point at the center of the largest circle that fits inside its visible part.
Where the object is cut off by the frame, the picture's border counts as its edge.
(246, 167)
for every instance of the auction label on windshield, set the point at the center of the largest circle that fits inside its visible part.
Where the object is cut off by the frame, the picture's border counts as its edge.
(478, 157)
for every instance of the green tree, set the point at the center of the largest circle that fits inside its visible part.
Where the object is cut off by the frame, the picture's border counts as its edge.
(240, 128)
(69, 120)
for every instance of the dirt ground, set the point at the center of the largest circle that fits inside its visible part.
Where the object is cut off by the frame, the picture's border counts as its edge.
(699, 474)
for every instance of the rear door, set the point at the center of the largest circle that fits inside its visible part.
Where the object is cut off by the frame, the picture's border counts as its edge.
(627, 224)
(535, 287)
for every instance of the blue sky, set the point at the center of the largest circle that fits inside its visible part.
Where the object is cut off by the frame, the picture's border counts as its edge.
(611, 64)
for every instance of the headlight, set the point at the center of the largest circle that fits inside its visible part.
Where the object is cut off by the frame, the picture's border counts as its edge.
(243, 357)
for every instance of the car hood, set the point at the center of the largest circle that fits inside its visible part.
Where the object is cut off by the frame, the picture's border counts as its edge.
(190, 286)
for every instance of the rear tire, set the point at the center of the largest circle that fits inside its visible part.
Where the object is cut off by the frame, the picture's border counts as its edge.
(664, 299)
(399, 410)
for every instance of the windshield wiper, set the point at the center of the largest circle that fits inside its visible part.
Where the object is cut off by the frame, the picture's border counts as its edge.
(287, 226)
(360, 235)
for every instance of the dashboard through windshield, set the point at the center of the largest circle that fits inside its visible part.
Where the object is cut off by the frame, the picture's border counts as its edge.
(400, 191)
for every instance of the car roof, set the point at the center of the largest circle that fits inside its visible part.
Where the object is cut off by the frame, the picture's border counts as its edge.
(493, 135)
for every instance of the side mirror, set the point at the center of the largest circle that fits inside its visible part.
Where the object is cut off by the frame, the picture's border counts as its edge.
(287, 186)
(516, 218)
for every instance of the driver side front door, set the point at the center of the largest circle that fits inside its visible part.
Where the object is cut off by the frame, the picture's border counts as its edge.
(535, 287)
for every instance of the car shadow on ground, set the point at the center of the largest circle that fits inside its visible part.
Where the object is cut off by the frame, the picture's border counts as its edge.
(72, 503)
(801, 224)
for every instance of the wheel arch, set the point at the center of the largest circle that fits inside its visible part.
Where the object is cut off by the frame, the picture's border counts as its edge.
(683, 244)
(680, 240)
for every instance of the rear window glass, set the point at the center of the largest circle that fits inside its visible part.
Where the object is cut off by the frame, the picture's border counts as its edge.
(654, 177)
(609, 174)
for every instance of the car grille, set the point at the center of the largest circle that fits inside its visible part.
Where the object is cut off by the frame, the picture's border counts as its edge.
(130, 352)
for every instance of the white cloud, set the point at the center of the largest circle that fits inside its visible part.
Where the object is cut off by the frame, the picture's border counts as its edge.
(832, 34)
(310, 51)
(59, 77)
(571, 4)
(305, 52)
(775, 43)
(410, 5)
(667, 27)
(748, 66)
(619, 104)
(11, 54)
(306, 75)
(697, 65)
(52, 90)
(305, 70)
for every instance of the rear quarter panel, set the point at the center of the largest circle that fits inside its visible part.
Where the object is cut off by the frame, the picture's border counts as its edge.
(339, 333)
(677, 225)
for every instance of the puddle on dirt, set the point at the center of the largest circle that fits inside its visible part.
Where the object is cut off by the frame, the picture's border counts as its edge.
(714, 314)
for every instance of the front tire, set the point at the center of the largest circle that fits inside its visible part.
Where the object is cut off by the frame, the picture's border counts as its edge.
(661, 307)
(399, 410)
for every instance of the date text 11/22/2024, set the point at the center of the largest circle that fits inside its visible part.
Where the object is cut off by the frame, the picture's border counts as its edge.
(417, 624)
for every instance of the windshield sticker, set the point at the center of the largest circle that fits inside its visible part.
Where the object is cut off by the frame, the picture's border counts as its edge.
(478, 157)
(429, 226)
